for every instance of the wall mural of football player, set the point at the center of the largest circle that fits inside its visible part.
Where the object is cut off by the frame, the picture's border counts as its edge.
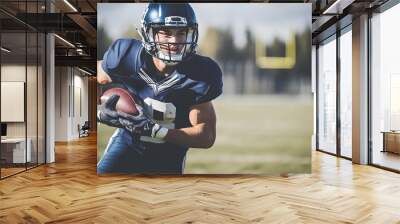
(173, 86)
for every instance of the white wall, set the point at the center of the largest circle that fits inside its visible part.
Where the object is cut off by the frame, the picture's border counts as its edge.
(14, 73)
(71, 93)
(33, 126)
(80, 102)
(61, 103)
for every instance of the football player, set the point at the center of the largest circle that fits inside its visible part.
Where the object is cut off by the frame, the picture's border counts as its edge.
(176, 86)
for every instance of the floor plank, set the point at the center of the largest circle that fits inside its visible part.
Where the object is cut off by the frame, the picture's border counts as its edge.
(69, 191)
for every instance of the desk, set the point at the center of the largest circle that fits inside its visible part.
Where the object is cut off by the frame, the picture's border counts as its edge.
(391, 141)
(13, 150)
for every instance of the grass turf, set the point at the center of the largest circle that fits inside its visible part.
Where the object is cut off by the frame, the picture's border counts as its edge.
(255, 135)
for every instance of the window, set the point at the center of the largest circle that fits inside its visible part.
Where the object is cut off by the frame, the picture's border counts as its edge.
(385, 88)
(327, 96)
(346, 93)
(23, 76)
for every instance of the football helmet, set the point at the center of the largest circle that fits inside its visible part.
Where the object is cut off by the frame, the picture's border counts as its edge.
(160, 17)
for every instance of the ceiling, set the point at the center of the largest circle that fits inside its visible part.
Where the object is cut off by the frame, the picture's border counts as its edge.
(74, 22)
(330, 15)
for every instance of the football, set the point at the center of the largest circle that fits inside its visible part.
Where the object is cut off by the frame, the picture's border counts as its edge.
(126, 102)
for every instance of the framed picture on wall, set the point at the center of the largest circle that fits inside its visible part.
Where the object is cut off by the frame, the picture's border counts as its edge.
(204, 88)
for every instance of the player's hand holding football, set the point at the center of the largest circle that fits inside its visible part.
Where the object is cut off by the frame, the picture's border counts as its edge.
(141, 125)
(107, 114)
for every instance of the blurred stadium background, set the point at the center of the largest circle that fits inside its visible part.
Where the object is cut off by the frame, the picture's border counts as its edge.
(265, 113)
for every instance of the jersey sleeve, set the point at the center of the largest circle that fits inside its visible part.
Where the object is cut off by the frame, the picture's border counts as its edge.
(211, 87)
(117, 61)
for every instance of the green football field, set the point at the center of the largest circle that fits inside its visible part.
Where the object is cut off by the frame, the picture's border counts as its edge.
(255, 135)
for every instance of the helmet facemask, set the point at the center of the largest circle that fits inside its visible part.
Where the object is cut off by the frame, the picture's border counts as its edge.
(164, 50)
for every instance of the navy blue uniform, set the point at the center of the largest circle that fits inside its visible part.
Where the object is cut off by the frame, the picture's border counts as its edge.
(195, 80)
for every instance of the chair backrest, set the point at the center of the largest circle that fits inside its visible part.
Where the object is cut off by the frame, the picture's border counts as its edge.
(86, 125)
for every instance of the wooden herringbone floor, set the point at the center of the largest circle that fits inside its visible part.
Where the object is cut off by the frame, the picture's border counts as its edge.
(69, 191)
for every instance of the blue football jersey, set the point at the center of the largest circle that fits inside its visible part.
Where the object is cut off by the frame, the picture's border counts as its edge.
(167, 99)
